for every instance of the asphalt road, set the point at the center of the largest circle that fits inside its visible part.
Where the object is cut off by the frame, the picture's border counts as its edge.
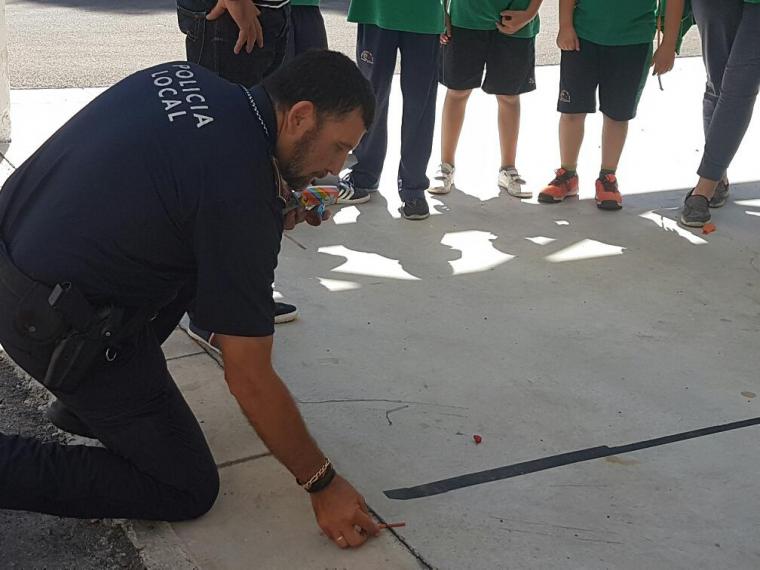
(31, 540)
(93, 43)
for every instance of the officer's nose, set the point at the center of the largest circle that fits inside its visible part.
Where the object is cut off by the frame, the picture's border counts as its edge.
(337, 165)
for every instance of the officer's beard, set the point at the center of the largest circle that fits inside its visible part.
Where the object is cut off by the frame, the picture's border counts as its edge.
(293, 172)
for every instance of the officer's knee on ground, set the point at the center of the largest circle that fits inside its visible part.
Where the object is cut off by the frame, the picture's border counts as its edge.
(199, 500)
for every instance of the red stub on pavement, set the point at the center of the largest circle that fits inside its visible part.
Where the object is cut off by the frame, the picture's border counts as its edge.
(477, 439)
(708, 228)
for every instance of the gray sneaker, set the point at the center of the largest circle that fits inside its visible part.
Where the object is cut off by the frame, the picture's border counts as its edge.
(720, 197)
(415, 209)
(695, 212)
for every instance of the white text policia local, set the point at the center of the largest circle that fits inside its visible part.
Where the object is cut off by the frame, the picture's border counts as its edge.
(180, 95)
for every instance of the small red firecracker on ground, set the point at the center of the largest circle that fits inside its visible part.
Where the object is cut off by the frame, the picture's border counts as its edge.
(477, 439)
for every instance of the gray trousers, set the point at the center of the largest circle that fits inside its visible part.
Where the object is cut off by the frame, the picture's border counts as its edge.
(730, 31)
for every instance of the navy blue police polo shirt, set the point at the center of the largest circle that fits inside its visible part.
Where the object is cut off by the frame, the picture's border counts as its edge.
(164, 180)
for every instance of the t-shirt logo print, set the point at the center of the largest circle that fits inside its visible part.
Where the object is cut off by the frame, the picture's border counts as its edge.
(367, 57)
(564, 96)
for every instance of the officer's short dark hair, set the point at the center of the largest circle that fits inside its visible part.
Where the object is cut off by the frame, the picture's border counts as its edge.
(328, 79)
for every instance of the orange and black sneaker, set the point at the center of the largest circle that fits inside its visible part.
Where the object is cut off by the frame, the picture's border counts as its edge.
(607, 194)
(563, 186)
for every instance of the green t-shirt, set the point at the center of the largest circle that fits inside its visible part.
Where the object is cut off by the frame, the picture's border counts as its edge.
(616, 22)
(752, 1)
(304, 2)
(483, 15)
(420, 16)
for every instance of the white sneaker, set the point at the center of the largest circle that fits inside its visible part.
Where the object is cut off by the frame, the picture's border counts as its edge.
(511, 181)
(444, 178)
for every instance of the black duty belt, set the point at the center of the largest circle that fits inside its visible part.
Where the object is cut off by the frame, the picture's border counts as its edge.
(78, 332)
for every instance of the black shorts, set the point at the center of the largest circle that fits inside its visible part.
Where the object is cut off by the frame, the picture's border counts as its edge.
(510, 63)
(620, 72)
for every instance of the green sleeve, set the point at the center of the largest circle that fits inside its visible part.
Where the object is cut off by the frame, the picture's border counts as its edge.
(417, 16)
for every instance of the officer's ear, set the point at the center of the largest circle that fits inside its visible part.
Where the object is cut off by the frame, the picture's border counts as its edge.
(301, 117)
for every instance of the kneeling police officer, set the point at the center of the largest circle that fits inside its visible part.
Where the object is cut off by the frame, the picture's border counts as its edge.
(167, 190)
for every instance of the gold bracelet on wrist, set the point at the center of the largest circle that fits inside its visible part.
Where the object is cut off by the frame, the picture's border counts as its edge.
(317, 476)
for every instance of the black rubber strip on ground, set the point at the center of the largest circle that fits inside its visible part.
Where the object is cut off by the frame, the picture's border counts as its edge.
(553, 461)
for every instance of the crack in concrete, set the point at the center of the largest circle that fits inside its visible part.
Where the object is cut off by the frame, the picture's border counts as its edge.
(389, 412)
(551, 525)
(597, 540)
(530, 523)
(370, 400)
(582, 539)
(403, 541)
(600, 485)
(185, 355)
(510, 529)
(242, 460)
(295, 241)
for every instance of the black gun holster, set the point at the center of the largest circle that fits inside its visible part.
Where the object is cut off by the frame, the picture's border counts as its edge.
(62, 319)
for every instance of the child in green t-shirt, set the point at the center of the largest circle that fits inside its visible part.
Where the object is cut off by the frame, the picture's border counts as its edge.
(606, 45)
(387, 27)
(485, 34)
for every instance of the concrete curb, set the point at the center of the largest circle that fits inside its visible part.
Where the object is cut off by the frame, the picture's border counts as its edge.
(159, 546)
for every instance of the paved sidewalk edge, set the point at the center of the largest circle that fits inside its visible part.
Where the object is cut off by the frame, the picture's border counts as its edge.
(401, 541)
(159, 546)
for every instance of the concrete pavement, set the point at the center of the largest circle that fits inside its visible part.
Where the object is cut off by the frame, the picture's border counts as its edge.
(545, 329)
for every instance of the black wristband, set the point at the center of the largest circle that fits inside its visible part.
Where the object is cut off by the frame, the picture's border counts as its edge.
(321, 483)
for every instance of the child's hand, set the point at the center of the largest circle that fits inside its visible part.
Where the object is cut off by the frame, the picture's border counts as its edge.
(664, 59)
(446, 35)
(567, 39)
(512, 21)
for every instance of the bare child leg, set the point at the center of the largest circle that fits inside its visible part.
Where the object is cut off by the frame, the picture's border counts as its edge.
(614, 134)
(454, 107)
(451, 125)
(509, 128)
(572, 128)
(509, 131)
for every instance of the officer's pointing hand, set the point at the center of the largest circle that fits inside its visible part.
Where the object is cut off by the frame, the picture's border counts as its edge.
(246, 16)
